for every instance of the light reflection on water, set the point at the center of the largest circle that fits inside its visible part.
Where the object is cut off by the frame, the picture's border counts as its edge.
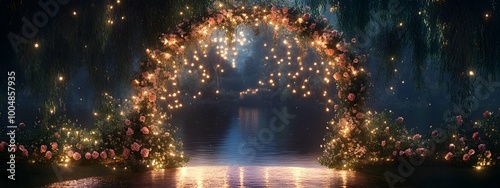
(229, 176)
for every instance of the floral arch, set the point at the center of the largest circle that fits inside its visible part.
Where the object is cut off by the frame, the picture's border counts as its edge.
(135, 134)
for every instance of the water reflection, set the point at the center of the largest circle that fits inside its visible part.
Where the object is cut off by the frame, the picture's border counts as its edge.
(231, 176)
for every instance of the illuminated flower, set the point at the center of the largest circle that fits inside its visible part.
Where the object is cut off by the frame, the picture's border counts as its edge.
(448, 156)
(359, 115)
(475, 135)
(54, 145)
(340, 94)
(481, 147)
(386, 129)
(22, 125)
(129, 132)
(452, 146)
(274, 9)
(487, 154)
(127, 122)
(334, 32)
(126, 153)
(383, 143)
(70, 153)
(144, 152)
(400, 119)
(112, 153)
(285, 10)
(346, 75)
(471, 152)
(135, 146)
(142, 119)
(220, 17)
(95, 155)
(417, 137)
(306, 17)
(329, 51)
(145, 74)
(462, 139)
(145, 130)
(88, 155)
(57, 135)
(48, 155)
(21, 147)
(43, 148)
(353, 40)
(351, 97)
(394, 153)
(421, 151)
(466, 157)
(401, 152)
(77, 156)
(152, 98)
(104, 155)
(336, 76)
(459, 120)
(167, 134)
(408, 152)
(486, 114)
(355, 60)
(211, 21)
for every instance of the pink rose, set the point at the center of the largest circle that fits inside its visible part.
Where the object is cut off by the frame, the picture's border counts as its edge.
(21, 147)
(398, 143)
(274, 9)
(335, 107)
(386, 129)
(211, 21)
(126, 153)
(152, 98)
(54, 145)
(22, 125)
(95, 155)
(395, 153)
(481, 147)
(77, 156)
(355, 60)
(88, 155)
(401, 152)
(145, 130)
(167, 134)
(434, 133)
(57, 135)
(359, 115)
(475, 135)
(43, 148)
(142, 119)
(127, 122)
(3, 145)
(408, 152)
(487, 154)
(70, 153)
(104, 155)
(25, 152)
(135, 146)
(421, 151)
(486, 114)
(329, 52)
(462, 139)
(459, 120)
(129, 131)
(48, 155)
(285, 10)
(351, 97)
(471, 152)
(112, 153)
(346, 75)
(145, 74)
(382, 143)
(466, 157)
(452, 146)
(417, 137)
(448, 156)
(144, 152)
(400, 119)
(306, 17)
